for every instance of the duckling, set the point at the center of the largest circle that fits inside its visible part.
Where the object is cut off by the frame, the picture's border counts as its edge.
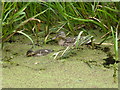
(40, 52)
(63, 40)
(68, 41)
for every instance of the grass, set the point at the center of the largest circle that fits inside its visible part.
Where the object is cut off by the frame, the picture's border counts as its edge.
(115, 40)
(8, 33)
(76, 45)
(72, 17)
(71, 13)
(55, 16)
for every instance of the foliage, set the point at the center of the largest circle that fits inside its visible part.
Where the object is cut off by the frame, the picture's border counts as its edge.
(12, 19)
(76, 45)
(70, 16)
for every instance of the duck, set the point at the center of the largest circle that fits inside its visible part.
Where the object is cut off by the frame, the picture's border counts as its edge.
(41, 52)
(63, 40)
(68, 41)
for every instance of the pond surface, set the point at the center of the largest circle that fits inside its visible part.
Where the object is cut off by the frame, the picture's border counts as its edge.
(83, 70)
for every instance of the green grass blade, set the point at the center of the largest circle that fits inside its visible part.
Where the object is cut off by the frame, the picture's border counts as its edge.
(87, 20)
(24, 22)
(20, 11)
(65, 51)
(78, 39)
(114, 10)
(26, 36)
(19, 18)
(86, 39)
(7, 15)
(108, 15)
(115, 40)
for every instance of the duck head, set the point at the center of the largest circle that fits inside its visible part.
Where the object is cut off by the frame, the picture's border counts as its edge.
(60, 35)
(30, 53)
(60, 38)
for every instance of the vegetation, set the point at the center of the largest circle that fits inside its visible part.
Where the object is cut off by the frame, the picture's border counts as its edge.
(45, 18)
(20, 16)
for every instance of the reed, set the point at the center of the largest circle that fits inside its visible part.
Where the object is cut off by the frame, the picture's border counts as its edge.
(115, 40)
(17, 16)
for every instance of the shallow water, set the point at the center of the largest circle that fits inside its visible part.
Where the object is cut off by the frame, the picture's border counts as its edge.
(83, 70)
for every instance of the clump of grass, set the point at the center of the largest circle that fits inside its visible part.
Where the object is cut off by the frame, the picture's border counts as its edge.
(73, 14)
(83, 40)
(9, 20)
(79, 41)
(63, 53)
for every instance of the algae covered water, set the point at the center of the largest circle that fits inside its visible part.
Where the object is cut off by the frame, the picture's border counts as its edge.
(84, 69)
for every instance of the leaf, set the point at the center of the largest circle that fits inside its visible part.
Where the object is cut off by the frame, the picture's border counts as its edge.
(26, 36)
(78, 39)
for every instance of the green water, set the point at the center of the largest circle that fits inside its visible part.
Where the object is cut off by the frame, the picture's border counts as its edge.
(83, 70)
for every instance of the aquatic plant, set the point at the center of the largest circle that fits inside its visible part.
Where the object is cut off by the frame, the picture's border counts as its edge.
(8, 20)
(10, 17)
(115, 40)
(80, 40)
(73, 15)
